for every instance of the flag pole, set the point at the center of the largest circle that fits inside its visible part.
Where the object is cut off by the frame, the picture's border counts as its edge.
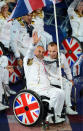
(57, 40)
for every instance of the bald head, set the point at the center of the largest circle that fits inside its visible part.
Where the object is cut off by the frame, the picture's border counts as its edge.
(39, 52)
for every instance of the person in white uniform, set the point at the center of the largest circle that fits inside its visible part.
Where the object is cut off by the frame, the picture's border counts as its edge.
(37, 80)
(4, 25)
(20, 38)
(4, 79)
(75, 12)
(53, 70)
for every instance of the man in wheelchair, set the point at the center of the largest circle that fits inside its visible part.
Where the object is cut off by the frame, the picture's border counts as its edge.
(37, 79)
(52, 67)
(4, 80)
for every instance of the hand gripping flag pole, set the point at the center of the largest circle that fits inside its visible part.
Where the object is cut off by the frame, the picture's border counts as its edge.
(57, 39)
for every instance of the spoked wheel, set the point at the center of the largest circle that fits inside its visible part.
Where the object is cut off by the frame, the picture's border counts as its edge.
(72, 49)
(28, 108)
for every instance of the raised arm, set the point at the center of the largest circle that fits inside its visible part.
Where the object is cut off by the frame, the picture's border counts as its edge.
(71, 8)
(30, 52)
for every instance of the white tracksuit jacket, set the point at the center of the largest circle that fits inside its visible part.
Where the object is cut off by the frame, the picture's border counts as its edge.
(5, 32)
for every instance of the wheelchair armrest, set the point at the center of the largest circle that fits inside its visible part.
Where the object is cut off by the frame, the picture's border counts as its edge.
(44, 97)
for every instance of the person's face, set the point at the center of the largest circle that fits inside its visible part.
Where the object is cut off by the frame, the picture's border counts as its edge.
(5, 8)
(39, 52)
(27, 18)
(80, 8)
(52, 51)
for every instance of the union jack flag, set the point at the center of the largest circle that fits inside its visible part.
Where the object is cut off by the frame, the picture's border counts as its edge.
(27, 109)
(24, 7)
(72, 49)
(16, 75)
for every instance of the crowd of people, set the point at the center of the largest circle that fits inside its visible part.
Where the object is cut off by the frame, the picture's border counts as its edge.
(28, 40)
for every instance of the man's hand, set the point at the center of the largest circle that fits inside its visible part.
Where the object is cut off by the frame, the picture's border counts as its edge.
(20, 62)
(10, 69)
(35, 38)
(72, 82)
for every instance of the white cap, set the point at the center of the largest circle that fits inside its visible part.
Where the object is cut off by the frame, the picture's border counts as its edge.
(2, 3)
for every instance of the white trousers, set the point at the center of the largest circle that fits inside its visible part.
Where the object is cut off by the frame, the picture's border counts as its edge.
(67, 87)
(57, 97)
(4, 79)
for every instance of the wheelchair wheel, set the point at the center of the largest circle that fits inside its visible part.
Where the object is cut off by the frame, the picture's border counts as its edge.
(28, 108)
(72, 49)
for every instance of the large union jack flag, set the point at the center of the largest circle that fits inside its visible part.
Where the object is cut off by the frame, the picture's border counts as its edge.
(72, 49)
(16, 75)
(26, 108)
(24, 7)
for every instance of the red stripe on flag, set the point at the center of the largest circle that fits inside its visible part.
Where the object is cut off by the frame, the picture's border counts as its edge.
(18, 101)
(35, 115)
(36, 4)
(20, 110)
(69, 61)
(25, 120)
(71, 41)
(72, 49)
(13, 78)
(17, 72)
(28, 113)
(9, 63)
(10, 74)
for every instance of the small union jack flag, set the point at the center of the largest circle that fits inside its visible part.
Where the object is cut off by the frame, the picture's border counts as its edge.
(26, 108)
(16, 75)
(72, 49)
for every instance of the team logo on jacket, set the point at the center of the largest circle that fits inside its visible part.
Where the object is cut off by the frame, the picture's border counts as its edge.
(27, 109)
(72, 49)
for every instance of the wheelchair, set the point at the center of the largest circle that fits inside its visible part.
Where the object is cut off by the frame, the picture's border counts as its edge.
(30, 109)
